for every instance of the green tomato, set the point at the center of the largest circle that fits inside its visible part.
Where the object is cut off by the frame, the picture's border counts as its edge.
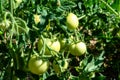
(78, 49)
(37, 66)
(63, 43)
(4, 25)
(72, 21)
(47, 41)
(56, 67)
(60, 66)
(18, 1)
(55, 46)
(72, 48)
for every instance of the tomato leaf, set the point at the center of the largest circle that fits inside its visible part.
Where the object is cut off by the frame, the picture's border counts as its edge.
(92, 64)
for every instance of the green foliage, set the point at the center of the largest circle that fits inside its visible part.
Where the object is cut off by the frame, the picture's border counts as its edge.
(23, 22)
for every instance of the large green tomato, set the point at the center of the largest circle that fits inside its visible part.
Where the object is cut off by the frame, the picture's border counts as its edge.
(72, 21)
(60, 66)
(78, 49)
(54, 46)
(37, 66)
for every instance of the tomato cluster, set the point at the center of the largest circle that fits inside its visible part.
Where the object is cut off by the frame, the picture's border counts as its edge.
(54, 47)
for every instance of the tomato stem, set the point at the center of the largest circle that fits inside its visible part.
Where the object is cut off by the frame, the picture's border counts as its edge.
(76, 36)
(11, 6)
(1, 6)
(110, 8)
(44, 46)
(81, 17)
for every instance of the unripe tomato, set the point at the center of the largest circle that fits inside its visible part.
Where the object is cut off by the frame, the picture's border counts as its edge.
(55, 45)
(2, 26)
(58, 3)
(72, 21)
(72, 48)
(63, 43)
(18, 1)
(5, 24)
(47, 42)
(37, 66)
(78, 49)
(60, 66)
(56, 67)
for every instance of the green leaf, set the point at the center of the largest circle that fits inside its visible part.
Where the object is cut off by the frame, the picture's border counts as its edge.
(84, 62)
(90, 66)
(100, 77)
(1, 32)
(94, 63)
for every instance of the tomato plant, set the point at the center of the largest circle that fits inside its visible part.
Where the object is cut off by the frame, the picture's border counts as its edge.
(73, 40)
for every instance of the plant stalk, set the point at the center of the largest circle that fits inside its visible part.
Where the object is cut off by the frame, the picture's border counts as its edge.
(1, 8)
(11, 6)
(110, 8)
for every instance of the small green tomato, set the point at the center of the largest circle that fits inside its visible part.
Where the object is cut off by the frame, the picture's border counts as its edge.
(60, 66)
